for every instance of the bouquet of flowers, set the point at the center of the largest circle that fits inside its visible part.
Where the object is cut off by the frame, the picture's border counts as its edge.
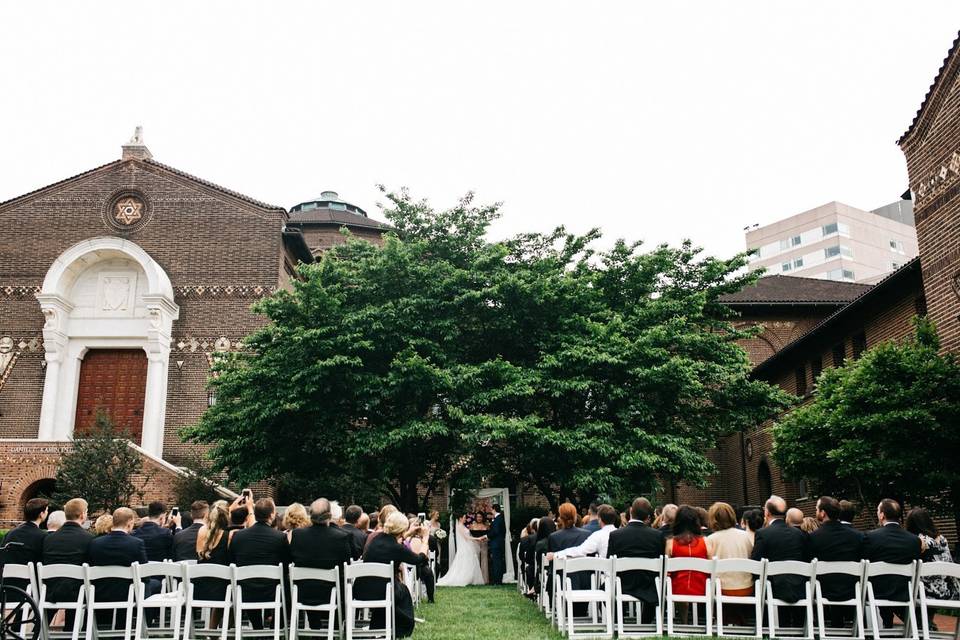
(439, 534)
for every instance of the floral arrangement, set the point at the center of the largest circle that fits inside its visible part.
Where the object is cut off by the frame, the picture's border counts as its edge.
(439, 534)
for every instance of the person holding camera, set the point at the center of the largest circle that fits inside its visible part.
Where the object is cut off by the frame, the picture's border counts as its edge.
(417, 539)
(157, 538)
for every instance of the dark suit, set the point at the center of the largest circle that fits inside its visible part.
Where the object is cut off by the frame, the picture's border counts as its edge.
(358, 540)
(497, 540)
(891, 543)
(593, 526)
(29, 549)
(528, 559)
(778, 541)
(259, 544)
(185, 543)
(835, 542)
(69, 545)
(638, 540)
(157, 540)
(564, 539)
(116, 549)
(384, 548)
(319, 547)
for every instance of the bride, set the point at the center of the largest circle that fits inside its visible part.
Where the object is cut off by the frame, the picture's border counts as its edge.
(465, 569)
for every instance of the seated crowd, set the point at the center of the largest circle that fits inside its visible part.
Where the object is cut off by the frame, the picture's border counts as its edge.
(244, 533)
(774, 534)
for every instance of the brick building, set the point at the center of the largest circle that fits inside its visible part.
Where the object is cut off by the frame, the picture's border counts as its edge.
(117, 289)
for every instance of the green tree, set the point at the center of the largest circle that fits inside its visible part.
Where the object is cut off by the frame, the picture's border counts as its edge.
(881, 426)
(99, 468)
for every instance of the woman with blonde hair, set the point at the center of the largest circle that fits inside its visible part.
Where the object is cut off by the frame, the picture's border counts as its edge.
(386, 548)
(727, 541)
(212, 540)
(103, 525)
(295, 517)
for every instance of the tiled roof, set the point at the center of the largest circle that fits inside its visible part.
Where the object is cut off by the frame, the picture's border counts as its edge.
(931, 90)
(891, 284)
(206, 183)
(323, 215)
(777, 290)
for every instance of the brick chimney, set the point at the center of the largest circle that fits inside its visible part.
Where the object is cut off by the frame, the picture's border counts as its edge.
(136, 149)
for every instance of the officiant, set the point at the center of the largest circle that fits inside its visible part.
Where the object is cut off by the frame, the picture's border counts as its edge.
(497, 538)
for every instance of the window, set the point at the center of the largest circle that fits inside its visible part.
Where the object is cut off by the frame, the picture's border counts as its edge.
(801, 378)
(795, 241)
(896, 245)
(816, 368)
(844, 229)
(830, 228)
(839, 275)
(339, 206)
(848, 275)
(846, 252)
(859, 344)
(894, 265)
(831, 252)
(839, 353)
(785, 266)
(920, 306)
(797, 263)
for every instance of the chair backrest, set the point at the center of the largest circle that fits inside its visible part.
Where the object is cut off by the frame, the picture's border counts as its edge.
(368, 570)
(654, 565)
(738, 565)
(18, 571)
(264, 571)
(791, 567)
(951, 569)
(307, 573)
(574, 565)
(159, 570)
(702, 565)
(112, 571)
(839, 567)
(74, 571)
(218, 571)
(891, 569)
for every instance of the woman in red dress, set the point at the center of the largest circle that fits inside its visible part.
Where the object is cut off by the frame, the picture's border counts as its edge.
(687, 542)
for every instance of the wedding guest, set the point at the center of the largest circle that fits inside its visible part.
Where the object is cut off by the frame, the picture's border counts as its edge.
(363, 524)
(336, 514)
(212, 548)
(687, 542)
(382, 516)
(157, 538)
(639, 540)
(28, 539)
(103, 525)
(373, 521)
(118, 548)
(727, 541)
(528, 560)
(319, 546)
(592, 519)
(259, 544)
(386, 548)
(779, 541)
(55, 520)
(545, 529)
(891, 543)
(667, 514)
(185, 540)
(597, 542)
(936, 549)
(752, 521)
(69, 545)
(704, 519)
(835, 542)
(412, 539)
(358, 538)
(794, 517)
(295, 517)
(241, 515)
(809, 525)
(848, 511)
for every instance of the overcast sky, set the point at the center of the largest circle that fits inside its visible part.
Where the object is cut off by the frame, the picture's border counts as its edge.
(652, 120)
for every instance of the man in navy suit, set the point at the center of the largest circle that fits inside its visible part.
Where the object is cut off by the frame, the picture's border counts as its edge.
(894, 544)
(117, 548)
(497, 539)
(157, 538)
(594, 525)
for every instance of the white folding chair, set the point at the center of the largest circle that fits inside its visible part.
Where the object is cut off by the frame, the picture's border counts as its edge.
(20, 572)
(413, 583)
(268, 572)
(543, 598)
(671, 599)
(521, 574)
(931, 570)
(756, 568)
(48, 606)
(854, 570)
(331, 607)
(127, 606)
(599, 597)
(208, 572)
(907, 571)
(806, 570)
(556, 584)
(628, 607)
(370, 571)
(172, 597)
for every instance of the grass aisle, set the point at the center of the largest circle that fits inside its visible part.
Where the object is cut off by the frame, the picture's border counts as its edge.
(467, 613)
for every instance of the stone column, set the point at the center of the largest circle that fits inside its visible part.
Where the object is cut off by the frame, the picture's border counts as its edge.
(161, 314)
(56, 312)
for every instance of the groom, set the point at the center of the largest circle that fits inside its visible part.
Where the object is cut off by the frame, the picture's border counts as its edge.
(497, 537)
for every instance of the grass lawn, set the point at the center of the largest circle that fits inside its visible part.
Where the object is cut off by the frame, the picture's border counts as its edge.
(467, 613)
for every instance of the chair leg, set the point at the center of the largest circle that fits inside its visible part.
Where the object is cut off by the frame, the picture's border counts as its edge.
(875, 620)
(925, 617)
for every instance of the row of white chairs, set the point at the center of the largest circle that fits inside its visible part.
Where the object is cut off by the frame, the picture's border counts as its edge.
(190, 616)
(611, 611)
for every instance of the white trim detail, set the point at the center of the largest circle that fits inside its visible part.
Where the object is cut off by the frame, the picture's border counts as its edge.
(70, 331)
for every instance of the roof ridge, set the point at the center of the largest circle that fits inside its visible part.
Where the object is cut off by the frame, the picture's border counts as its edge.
(58, 183)
(213, 185)
(930, 91)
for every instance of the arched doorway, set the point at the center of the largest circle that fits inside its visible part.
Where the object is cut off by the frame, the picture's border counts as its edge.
(764, 480)
(42, 488)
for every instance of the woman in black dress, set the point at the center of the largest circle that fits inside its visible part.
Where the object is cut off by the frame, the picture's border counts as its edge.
(385, 548)
(212, 540)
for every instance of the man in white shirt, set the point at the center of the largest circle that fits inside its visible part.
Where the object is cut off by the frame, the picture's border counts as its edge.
(596, 543)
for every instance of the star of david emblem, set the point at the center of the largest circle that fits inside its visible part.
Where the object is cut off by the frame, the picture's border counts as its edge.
(128, 210)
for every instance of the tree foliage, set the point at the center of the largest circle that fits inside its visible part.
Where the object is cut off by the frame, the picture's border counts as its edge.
(444, 359)
(881, 426)
(99, 468)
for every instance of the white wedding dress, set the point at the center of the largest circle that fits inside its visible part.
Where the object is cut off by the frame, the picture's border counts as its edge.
(465, 569)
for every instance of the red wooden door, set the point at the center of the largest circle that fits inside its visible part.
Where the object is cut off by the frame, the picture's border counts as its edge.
(114, 380)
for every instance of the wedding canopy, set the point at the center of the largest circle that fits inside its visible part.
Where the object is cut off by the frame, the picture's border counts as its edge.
(502, 496)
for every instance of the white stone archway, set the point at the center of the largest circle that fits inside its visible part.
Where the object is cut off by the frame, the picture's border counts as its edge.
(104, 292)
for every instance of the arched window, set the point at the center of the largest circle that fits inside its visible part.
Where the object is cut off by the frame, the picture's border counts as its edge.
(764, 480)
